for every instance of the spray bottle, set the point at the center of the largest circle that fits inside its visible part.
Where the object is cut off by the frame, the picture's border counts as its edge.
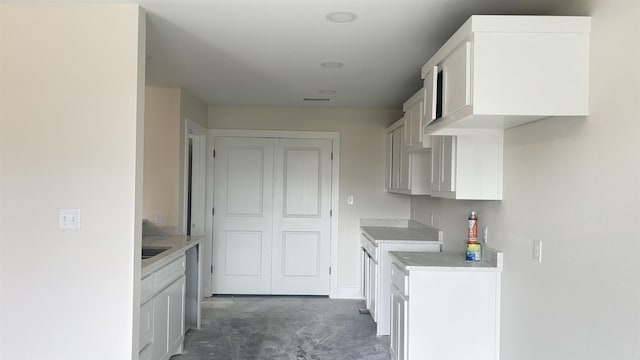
(473, 247)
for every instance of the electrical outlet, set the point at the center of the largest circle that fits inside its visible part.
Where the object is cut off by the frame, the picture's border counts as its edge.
(350, 200)
(537, 250)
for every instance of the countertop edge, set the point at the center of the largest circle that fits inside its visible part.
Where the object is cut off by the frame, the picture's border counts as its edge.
(178, 245)
(482, 266)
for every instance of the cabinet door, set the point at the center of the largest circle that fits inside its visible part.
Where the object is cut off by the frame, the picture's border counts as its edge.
(404, 182)
(372, 289)
(175, 325)
(448, 167)
(430, 92)
(457, 79)
(146, 324)
(415, 137)
(436, 163)
(365, 278)
(388, 179)
(364, 267)
(396, 156)
(399, 315)
(160, 344)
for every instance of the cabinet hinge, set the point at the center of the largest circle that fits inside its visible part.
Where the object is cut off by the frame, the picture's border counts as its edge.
(329, 270)
(212, 269)
(213, 210)
(331, 156)
(214, 154)
(330, 213)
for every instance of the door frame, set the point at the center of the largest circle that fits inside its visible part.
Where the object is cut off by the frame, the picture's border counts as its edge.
(335, 191)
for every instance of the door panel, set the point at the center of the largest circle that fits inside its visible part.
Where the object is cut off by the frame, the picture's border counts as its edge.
(300, 252)
(245, 168)
(302, 202)
(302, 168)
(243, 253)
(243, 222)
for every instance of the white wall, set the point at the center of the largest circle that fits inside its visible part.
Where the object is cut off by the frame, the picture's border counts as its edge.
(192, 108)
(573, 183)
(362, 156)
(71, 101)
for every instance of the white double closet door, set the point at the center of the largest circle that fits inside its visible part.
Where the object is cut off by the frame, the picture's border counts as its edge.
(272, 201)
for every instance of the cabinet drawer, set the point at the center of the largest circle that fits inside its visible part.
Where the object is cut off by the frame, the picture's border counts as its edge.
(146, 288)
(169, 273)
(369, 247)
(146, 324)
(400, 279)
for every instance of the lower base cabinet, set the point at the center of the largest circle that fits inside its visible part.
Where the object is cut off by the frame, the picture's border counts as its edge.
(162, 313)
(445, 314)
(168, 321)
(398, 325)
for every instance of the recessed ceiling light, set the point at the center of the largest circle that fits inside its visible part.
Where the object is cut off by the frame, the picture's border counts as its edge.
(326, 92)
(332, 65)
(341, 17)
(315, 99)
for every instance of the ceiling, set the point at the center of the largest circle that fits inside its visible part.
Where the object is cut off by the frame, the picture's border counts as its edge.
(268, 52)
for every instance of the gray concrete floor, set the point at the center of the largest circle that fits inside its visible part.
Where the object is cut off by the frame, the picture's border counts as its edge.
(296, 328)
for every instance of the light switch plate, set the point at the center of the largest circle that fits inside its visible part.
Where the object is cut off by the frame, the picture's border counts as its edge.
(69, 219)
(537, 250)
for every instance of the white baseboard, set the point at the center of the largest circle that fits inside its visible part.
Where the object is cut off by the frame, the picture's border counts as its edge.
(345, 293)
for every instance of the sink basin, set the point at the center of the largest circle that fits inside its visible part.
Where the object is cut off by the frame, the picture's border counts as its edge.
(151, 251)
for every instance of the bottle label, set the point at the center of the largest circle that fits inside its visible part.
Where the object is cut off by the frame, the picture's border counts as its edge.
(473, 229)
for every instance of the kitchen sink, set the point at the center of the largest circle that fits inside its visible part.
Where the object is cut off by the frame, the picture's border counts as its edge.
(151, 251)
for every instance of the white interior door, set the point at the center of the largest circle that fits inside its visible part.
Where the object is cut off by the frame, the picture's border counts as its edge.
(302, 222)
(243, 221)
(272, 224)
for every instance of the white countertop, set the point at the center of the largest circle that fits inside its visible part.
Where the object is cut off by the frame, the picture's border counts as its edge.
(430, 261)
(379, 231)
(177, 244)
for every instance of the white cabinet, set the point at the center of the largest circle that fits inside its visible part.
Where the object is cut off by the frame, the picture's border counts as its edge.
(498, 72)
(162, 313)
(430, 111)
(398, 324)
(444, 308)
(376, 270)
(406, 172)
(467, 167)
(414, 119)
(369, 281)
(169, 321)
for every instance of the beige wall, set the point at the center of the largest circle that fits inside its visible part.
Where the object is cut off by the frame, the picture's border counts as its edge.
(574, 184)
(161, 155)
(361, 164)
(70, 137)
(165, 112)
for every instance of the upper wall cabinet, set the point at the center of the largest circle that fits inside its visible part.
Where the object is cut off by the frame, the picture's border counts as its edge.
(414, 119)
(498, 72)
(406, 172)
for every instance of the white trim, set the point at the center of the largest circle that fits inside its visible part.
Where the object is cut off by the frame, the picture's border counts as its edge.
(198, 134)
(346, 293)
(334, 291)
